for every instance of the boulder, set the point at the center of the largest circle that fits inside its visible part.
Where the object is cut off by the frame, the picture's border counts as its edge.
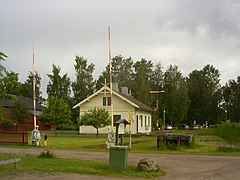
(147, 164)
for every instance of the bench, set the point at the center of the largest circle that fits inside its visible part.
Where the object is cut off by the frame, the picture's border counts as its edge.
(10, 161)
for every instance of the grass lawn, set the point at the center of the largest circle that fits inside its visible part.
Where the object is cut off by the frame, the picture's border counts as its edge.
(70, 166)
(205, 142)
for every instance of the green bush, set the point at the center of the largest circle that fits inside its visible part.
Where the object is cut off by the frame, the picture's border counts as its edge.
(7, 123)
(230, 132)
(172, 146)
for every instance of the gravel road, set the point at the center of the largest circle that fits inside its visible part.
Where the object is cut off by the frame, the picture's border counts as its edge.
(179, 167)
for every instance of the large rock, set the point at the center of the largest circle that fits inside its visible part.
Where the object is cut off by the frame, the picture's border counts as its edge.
(147, 164)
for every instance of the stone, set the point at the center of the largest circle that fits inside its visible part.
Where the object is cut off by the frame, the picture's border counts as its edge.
(229, 147)
(147, 164)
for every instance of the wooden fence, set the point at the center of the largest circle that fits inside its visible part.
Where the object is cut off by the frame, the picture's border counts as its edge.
(13, 138)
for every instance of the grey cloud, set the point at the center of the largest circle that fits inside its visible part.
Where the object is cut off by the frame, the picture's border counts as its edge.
(217, 16)
(169, 31)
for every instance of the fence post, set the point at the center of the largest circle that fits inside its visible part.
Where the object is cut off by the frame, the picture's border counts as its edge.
(23, 138)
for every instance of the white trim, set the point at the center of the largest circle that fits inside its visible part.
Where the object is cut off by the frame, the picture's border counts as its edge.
(99, 91)
(88, 98)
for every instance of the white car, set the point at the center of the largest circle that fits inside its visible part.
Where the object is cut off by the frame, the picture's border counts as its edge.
(184, 127)
(168, 127)
(194, 127)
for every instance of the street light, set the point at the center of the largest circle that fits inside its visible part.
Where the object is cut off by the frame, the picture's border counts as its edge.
(157, 108)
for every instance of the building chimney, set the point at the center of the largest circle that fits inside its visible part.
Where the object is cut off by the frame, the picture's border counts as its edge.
(115, 86)
(124, 90)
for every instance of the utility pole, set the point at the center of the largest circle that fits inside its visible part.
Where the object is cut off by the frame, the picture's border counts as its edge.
(157, 92)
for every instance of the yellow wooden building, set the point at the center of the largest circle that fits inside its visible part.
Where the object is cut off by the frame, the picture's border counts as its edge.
(125, 106)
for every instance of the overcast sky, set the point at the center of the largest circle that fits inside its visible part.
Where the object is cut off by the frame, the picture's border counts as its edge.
(186, 33)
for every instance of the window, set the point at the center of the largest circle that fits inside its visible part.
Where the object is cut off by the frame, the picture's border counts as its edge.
(106, 101)
(109, 101)
(146, 121)
(141, 119)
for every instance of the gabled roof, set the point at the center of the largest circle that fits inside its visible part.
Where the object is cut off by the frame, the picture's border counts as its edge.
(140, 104)
(10, 104)
(129, 99)
(124, 121)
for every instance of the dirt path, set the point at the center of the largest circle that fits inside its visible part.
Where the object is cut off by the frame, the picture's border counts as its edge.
(177, 166)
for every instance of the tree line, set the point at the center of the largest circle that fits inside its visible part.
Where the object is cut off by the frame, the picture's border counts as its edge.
(197, 97)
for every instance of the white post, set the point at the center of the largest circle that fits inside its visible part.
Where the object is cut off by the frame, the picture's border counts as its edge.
(110, 73)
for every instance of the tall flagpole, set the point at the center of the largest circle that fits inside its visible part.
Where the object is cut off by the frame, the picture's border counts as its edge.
(110, 73)
(34, 92)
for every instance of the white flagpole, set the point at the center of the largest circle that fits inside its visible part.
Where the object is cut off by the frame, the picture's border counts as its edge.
(110, 73)
(34, 92)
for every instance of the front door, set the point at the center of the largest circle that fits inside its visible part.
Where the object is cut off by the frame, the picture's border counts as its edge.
(137, 123)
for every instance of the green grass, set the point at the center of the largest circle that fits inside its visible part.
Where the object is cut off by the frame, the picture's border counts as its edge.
(205, 142)
(74, 142)
(70, 166)
(230, 132)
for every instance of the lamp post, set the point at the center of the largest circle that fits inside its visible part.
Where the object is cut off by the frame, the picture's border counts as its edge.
(157, 108)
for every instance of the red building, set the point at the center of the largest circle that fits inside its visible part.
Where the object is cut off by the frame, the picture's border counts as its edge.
(10, 124)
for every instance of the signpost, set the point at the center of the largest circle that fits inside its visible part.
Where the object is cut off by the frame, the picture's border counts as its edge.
(157, 92)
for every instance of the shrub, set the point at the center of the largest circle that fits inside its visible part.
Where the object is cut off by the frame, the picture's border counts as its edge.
(230, 132)
(7, 123)
(172, 146)
(46, 154)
